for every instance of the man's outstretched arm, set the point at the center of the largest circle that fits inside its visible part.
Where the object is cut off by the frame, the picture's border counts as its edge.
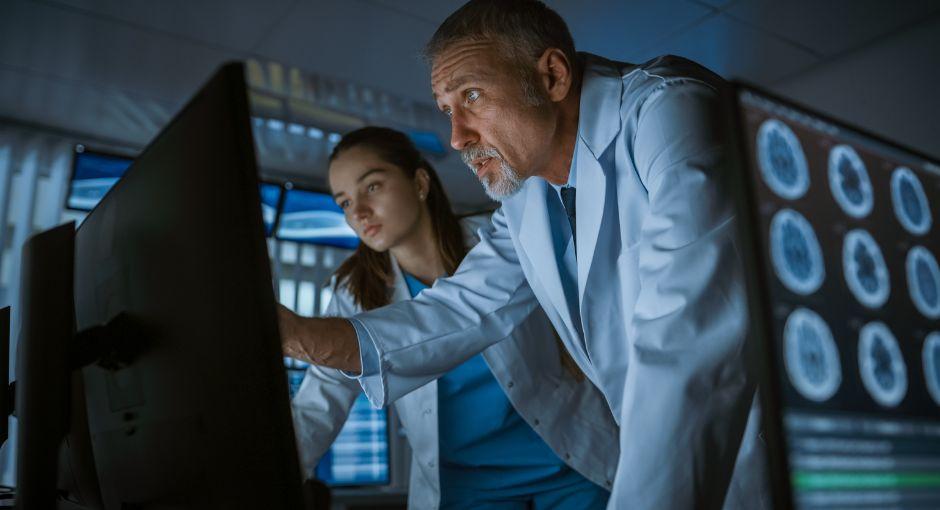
(329, 342)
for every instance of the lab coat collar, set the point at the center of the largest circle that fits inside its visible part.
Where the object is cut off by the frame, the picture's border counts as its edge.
(601, 90)
(400, 290)
(598, 125)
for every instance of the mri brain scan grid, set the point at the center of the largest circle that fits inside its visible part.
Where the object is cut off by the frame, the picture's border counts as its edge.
(843, 223)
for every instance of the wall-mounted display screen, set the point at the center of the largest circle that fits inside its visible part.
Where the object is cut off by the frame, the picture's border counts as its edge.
(845, 231)
(93, 174)
(270, 201)
(311, 217)
(428, 142)
(359, 455)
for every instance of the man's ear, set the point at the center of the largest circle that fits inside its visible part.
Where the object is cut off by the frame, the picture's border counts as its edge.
(556, 74)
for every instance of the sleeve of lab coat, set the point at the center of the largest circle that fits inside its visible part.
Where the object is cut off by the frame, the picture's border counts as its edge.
(322, 404)
(419, 340)
(686, 392)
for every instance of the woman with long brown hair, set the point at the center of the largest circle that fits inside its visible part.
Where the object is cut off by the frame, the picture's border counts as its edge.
(509, 428)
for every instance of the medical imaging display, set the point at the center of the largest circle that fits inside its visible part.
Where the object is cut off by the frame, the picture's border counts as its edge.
(923, 281)
(847, 283)
(881, 365)
(931, 358)
(849, 182)
(811, 356)
(910, 202)
(865, 271)
(795, 252)
(781, 159)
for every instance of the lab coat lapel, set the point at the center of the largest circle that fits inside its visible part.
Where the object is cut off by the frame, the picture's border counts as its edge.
(535, 234)
(598, 125)
(400, 290)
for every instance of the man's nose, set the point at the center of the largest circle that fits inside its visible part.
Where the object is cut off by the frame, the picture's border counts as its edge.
(461, 134)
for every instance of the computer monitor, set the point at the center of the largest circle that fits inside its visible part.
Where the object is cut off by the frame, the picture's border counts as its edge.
(200, 417)
(359, 455)
(93, 174)
(4, 371)
(427, 142)
(843, 234)
(270, 205)
(313, 217)
(47, 329)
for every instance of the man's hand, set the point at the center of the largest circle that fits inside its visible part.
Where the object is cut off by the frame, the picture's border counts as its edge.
(328, 342)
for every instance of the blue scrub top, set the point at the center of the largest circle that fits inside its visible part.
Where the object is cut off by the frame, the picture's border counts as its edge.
(487, 451)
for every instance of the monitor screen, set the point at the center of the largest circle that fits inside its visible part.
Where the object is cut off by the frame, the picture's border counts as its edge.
(93, 174)
(311, 217)
(359, 455)
(846, 240)
(427, 141)
(270, 200)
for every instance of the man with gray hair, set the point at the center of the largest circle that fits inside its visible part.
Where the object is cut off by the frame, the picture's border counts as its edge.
(616, 218)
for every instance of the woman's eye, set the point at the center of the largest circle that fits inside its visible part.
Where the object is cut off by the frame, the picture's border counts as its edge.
(372, 187)
(448, 112)
(473, 95)
(344, 204)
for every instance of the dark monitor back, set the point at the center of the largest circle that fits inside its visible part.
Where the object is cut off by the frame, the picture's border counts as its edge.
(4, 370)
(42, 362)
(201, 418)
(844, 230)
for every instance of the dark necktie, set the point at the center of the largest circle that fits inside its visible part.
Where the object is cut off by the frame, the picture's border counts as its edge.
(567, 199)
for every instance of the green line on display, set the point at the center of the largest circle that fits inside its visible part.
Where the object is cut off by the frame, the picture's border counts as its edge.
(815, 480)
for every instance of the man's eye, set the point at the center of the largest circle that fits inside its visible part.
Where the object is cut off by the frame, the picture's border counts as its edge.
(473, 95)
(448, 112)
(344, 204)
(372, 187)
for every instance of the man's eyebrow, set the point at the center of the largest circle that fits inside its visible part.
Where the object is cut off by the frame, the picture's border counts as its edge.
(461, 80)
(361, 178)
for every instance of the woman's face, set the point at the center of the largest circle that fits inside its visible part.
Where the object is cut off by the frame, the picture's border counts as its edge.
(380, 202)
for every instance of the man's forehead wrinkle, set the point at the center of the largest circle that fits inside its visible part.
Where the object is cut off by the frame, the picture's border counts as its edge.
(447, 64)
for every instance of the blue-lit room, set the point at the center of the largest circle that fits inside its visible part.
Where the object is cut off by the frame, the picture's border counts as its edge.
(485, 254)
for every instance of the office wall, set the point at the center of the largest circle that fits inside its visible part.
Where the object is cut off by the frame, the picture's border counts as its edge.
(890, 87)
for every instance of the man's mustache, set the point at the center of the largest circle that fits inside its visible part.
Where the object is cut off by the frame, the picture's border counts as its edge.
(472, 153)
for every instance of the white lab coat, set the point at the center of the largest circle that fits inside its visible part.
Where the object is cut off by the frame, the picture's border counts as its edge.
(570, 416)
(659, 282)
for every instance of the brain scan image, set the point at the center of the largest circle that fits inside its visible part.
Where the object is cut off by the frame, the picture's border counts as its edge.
(849, 182)
(795, 252)
(884, 374)
(910, 201)
(781, 159)
(865, 271)
(931, 357)
(810, 355)
(923, 281)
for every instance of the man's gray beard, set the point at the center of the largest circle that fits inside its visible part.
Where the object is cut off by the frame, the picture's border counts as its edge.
(502, 184)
